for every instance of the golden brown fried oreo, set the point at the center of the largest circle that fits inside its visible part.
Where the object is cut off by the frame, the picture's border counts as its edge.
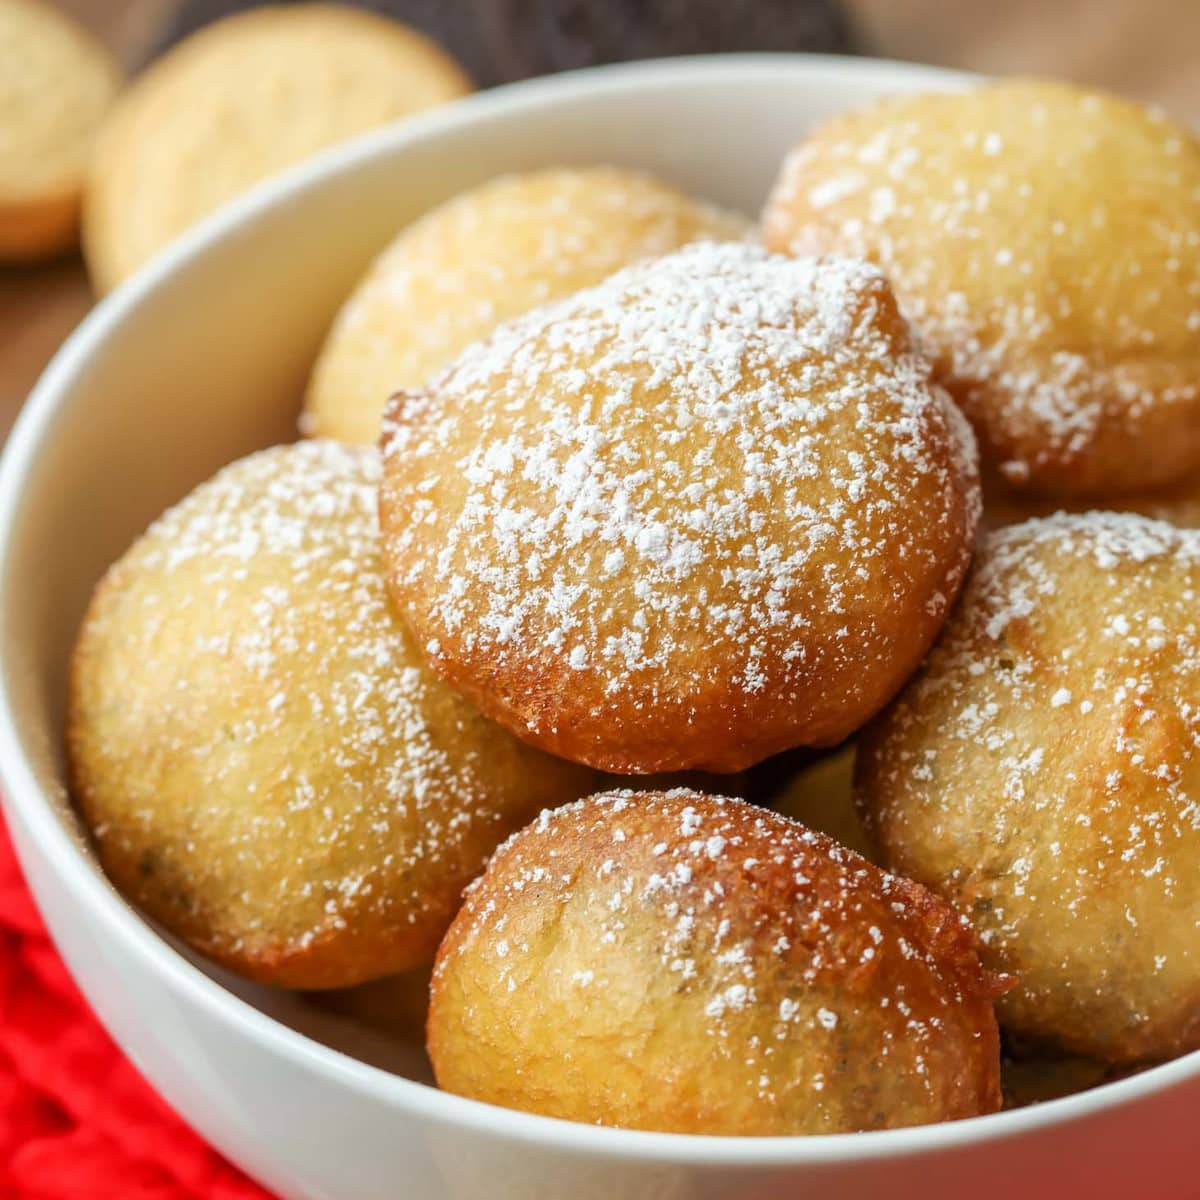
(1045, 240)
(266, 765)
(1043, 774)
(678, 962)
(708, 510)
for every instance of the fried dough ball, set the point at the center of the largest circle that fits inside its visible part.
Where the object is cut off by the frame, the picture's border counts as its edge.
(677, 962)
(236, 103)
(708, 510)
(56, 87)
(1045, 240)
(1042, 773)
(488, 255)
(267, 767)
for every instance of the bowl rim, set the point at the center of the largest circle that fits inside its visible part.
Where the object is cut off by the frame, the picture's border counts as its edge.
(28, 804)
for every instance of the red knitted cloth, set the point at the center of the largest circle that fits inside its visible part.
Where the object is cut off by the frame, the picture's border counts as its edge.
(77, 1122)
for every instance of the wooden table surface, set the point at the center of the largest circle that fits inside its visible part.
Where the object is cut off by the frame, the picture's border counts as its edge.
(1145, 48)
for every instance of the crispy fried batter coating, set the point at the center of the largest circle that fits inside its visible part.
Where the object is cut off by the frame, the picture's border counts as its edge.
(1043, 774)
(708, 510)
(674, 961)
(266, 765)
(482, 258)
(1045, 240)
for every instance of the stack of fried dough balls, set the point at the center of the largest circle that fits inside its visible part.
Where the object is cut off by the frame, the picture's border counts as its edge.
(1045, 241)
(651, 498)
(138, 163)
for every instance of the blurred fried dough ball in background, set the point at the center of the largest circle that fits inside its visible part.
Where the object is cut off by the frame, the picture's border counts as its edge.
(1045, 241)
(487, 255)
(1042, 771)
(237, 102)
(266, 765)
(57, 82)
(708, 510)
(679, 962)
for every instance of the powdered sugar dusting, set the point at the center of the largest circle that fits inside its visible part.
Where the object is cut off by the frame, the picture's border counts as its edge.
(248, 643)
(484, 257)
(779, 943)
(570, 215)
(1055, 279)
(1061, 713)
(715, 448)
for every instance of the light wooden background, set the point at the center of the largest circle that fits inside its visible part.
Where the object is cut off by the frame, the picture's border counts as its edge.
(1149, 49)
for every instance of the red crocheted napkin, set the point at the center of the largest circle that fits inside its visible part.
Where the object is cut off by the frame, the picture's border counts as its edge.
(77, 1122)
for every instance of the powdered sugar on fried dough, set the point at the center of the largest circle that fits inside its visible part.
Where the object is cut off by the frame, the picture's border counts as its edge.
(1043, 773)
(701, 470)
(1045, 242)
(269, 768)
(734, 971)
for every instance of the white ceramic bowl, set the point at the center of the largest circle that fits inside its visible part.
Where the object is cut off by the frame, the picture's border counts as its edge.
(200, 359)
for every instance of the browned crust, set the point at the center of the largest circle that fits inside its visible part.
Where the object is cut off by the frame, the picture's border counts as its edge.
(720, 728)
(1078, 872)
(531, 1049)
(1147, 431)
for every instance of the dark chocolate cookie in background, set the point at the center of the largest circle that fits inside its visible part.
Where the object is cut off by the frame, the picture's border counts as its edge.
(537, 37)
(499, 41)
